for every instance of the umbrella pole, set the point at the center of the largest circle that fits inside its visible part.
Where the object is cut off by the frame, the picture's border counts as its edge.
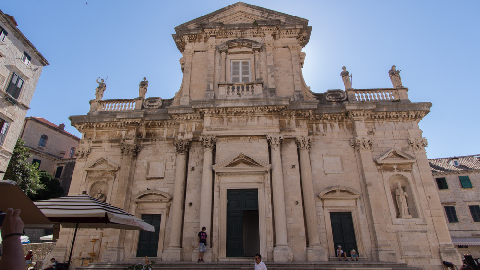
(71, 249)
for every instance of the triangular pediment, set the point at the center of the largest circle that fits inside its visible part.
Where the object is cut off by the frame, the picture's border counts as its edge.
(239, 13)
(395, 156)
(241, 161)
(102, 164)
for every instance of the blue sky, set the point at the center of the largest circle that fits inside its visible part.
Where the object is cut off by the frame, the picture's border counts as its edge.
(433, 43)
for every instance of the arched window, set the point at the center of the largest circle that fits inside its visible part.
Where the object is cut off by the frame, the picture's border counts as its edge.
(43, 140)
(72, 151)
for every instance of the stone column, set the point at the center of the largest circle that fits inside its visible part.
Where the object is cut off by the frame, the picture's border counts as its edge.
(187, 71)
(122, 190)
(448, 252)
(270, 65)
(297, 81)
(174, 250)
(282, 252)
(257, 65)
(315, 252)
(208, 143)
(211, 68)
(223, 66)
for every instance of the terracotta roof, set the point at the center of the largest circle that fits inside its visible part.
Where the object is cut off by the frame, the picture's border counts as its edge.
(465, 163)
(52, 125)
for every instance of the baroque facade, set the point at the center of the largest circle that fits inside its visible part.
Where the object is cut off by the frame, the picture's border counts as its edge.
(20, 67)
(458, 183)
(247, 150)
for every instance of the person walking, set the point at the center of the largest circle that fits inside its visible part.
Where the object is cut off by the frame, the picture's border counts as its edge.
(202, 244)
(259, 265)
(28, 258)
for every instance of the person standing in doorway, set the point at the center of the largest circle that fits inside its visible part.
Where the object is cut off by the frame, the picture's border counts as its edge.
(202, 244)
(259, 265)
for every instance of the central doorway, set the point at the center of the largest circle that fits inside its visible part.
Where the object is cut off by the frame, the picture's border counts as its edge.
(148, 241)
(243, 239)
(343, 231)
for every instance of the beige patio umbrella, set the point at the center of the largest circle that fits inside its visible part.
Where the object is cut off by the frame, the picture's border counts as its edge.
(83, 211)
(11, 196)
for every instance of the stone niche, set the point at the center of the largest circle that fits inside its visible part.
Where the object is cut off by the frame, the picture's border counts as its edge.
(99, 179)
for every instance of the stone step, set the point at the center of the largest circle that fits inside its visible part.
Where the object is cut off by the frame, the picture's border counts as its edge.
(330, 265)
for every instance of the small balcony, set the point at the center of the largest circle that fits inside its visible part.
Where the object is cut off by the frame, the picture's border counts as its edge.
(240, 90)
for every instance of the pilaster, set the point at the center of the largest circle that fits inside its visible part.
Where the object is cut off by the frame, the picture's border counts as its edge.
(315, 252)
(282, 252)
(208, 143)
(185, 99)
(174, 250)
(297, 81)
(209, 94)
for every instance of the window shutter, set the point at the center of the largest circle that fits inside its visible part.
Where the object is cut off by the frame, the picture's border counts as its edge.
(3, 131)
(451, 214)
(465, 182)
(245, 71)
(475, 211)
(442, 183)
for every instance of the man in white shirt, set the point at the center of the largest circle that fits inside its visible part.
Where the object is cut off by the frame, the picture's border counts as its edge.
(259, 265)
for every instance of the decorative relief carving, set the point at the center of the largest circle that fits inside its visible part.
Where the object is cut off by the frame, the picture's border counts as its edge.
(208, 142)
(243, 110)
(303, 143)
(181, 146)
(362, 143)
(130, 149)
(82, 152)
(418, 143)
(274, 140)
(359, 114)
(152, 103)
(336, 96)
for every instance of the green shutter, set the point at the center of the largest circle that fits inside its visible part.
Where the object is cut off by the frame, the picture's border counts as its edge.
(465, 182)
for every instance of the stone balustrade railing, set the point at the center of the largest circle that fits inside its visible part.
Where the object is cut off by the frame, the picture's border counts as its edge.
(240, 90)
(375, 95)
(116, 105)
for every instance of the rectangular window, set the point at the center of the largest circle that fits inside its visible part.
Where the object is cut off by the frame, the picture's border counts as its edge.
(465, 182)
(37, 161)
(26, 58)
(475, 211)
(15, 86)
(442, 183)
(451, 214)
(3, 34)
(3, 130)
(58, 173)
(240, 71)
(72, 151)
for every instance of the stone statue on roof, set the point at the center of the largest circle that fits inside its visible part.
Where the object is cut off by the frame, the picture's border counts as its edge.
(395, 77)
(100, 89)
(346, 78)
(142, 90)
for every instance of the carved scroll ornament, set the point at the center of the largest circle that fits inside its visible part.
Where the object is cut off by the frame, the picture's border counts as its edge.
(303, 143)
(82, 152)
(275, 140)
(181, 146)
(130, 149)
(418, 143)
(362, 143)
(208, 142)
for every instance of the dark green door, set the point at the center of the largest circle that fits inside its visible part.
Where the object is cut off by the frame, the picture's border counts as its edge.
(148, 241)
(343, 231)
(241, 203)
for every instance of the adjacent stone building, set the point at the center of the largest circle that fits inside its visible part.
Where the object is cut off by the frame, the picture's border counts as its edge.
(51, 147)
(20, 67)
(458, 183)
(246, 149)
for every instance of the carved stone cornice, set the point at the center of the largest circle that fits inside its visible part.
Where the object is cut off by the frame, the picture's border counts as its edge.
(208, 142)
(303, 143)
(275, 140)
(82, 152)
(359, 114)
(401, 116)
(187, 117)
(309, 114)
(242, 110)
(363, 143)
(181, 146)
(418, 143)
(130, 149)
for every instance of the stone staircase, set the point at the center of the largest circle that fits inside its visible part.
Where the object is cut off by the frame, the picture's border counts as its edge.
(330, 265)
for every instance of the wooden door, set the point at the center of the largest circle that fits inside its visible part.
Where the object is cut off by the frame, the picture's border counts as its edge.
(238, 201)
(148, 241)
(343, 231)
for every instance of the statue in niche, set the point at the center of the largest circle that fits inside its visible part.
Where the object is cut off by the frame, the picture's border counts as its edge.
(100, 89)
(142, 89)
(100, 196)
(395, 77)
(401, 197)
(346, 78)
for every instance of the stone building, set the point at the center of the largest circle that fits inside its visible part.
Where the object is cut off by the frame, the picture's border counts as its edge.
(458, 183)
(246, 149)
(20, 67)
(51, 147)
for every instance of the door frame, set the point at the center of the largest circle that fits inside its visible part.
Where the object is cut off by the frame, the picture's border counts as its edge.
(249, 181)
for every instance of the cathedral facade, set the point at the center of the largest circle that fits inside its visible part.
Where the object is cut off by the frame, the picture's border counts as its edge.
(248, 151)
